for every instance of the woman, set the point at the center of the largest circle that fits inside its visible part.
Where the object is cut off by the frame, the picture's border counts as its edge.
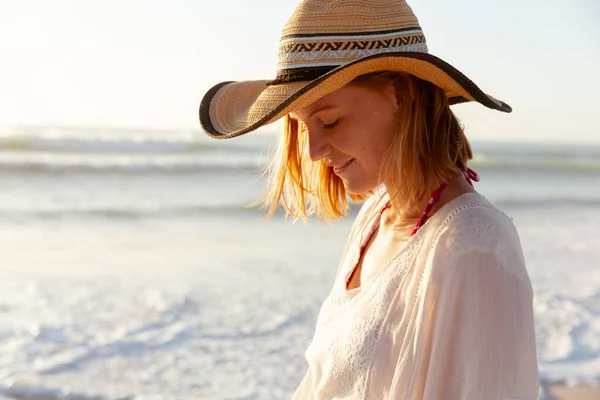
(432, 299)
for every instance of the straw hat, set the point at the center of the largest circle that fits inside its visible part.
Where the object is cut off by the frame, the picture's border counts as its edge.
(325, 45)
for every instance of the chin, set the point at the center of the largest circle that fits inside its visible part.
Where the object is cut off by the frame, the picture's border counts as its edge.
(354, 187)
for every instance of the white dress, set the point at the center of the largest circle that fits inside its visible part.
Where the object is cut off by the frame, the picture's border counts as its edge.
(451, 317)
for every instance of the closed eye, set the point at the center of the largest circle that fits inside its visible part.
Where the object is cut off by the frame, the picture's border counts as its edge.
(331, 125)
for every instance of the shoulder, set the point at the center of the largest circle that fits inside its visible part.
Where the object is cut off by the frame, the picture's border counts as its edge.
(475, 223)
(476, 229)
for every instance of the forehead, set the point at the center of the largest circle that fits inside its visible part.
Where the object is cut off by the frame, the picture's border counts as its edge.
(345, 97)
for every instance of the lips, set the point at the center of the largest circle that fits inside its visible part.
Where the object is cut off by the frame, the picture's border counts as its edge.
(340, 167)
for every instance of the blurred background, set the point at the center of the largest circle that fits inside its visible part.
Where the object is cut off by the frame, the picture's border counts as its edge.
(130, 264)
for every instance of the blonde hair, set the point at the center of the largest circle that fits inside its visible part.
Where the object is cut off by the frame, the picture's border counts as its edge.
(428, 148)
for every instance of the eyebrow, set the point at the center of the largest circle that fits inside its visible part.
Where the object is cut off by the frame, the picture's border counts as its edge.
(324, 108)
(318, 110)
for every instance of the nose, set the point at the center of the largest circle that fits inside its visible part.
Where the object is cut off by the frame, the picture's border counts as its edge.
(318, 146)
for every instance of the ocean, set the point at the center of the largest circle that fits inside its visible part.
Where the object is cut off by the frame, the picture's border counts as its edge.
(132, 267)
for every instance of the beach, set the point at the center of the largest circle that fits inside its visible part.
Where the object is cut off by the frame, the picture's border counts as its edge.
(554, 392)
(132, 267)
(565, 392)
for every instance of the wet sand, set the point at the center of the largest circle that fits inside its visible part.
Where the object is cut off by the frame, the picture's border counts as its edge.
(563, 392)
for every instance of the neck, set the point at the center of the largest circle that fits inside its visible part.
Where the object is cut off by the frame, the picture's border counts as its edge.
(394, 216)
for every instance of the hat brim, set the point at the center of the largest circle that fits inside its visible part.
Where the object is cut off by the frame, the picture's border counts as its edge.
(232, 109)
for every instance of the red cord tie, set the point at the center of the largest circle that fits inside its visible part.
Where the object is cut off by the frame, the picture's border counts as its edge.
(469, 175)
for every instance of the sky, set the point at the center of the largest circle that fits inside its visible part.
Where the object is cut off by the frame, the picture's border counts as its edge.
(147, 63)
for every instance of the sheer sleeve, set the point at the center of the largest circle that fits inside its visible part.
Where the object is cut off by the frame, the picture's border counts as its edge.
(462, 327)
(472, 335)
(482, 340)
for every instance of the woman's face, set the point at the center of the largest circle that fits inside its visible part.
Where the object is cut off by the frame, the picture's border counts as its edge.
(351, 129)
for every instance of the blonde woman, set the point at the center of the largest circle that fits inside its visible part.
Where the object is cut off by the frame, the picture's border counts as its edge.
(432, 299)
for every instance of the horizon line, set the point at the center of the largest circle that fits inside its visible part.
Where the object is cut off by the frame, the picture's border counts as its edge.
(272, 130)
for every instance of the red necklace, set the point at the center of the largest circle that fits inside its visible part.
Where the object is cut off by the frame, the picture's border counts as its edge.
(469, 175)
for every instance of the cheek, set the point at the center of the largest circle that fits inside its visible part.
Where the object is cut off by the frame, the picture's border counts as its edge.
(365, 138)
(380, 141)
(388, 130)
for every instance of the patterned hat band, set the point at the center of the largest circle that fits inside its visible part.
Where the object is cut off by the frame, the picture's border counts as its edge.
(306, 57)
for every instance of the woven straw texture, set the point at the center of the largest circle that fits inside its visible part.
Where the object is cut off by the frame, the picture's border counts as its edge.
(324, 45)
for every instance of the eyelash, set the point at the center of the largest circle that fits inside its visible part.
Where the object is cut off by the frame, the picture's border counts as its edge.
(332, 125)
